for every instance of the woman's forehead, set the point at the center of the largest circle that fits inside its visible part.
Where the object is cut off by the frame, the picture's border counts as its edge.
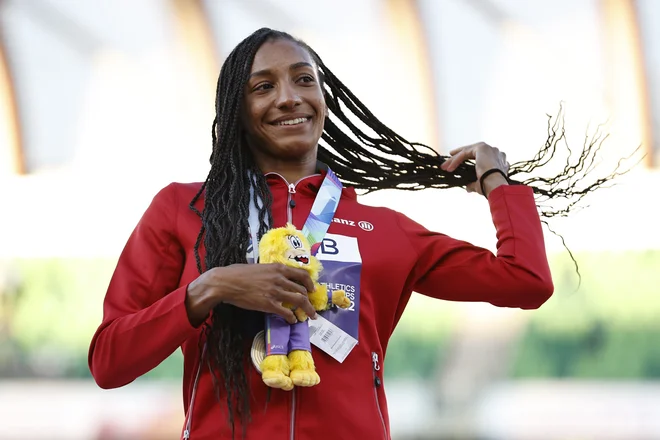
(279, 53)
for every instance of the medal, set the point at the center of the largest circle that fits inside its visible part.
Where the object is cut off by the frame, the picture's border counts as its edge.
(258, 350)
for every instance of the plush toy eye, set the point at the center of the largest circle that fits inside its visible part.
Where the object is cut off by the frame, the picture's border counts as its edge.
(295, 242)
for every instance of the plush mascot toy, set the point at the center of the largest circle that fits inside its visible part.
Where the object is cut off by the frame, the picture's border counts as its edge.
(288, 359)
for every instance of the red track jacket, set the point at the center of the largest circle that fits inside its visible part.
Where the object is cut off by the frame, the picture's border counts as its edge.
(145, 318)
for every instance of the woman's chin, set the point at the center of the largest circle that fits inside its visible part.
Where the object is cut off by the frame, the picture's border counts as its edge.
(295, 150)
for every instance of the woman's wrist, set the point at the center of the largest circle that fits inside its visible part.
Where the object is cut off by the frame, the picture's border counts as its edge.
(492, 181)
(201, 297)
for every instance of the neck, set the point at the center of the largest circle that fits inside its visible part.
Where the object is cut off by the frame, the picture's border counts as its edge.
(291, 171)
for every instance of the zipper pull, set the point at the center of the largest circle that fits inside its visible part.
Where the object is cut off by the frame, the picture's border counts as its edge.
(292, 188)
(186, 434)
(374, 359)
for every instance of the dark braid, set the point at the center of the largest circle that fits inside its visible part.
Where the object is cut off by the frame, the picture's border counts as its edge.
(388, 161)
(380, 159)
(225, 227)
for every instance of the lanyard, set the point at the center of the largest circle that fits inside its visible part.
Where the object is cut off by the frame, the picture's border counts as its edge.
(317, 223)
(323, 211)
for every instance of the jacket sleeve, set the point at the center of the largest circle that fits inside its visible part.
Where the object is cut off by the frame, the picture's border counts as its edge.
(144, 314)
(518, 276)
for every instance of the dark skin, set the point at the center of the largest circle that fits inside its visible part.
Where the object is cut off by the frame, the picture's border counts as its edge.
(284, 110)
(283, 115)
(262, 288)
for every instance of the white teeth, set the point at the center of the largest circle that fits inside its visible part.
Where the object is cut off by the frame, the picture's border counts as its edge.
(293, 121)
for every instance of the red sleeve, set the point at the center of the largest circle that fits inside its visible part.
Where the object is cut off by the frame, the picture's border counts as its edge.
(519, 276)
(144, 313)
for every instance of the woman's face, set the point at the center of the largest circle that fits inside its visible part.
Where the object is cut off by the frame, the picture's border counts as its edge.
(284, 108)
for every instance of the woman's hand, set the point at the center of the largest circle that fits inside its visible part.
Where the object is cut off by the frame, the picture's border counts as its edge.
(261, 287)
(485, 158)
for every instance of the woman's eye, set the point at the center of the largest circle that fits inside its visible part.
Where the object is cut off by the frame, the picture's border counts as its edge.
(306, 79)
(263, 86)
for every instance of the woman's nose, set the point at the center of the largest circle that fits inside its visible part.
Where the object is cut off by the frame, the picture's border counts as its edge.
(287, 97)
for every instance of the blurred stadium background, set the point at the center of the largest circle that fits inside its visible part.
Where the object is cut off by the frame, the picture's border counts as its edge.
(103, 102)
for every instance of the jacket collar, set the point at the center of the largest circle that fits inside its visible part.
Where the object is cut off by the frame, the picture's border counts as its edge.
(310, 185)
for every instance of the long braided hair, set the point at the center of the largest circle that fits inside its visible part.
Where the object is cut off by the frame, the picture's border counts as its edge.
(368, 162)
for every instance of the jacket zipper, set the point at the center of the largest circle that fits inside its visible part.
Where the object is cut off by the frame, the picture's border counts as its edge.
(289, 210)
(293, 413)
(186, 431)
(289, 216)
(292, 190)
(377, 384)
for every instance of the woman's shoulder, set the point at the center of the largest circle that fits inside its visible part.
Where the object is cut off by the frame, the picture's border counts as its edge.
(179, 190)
(178, 194)
(185, 189)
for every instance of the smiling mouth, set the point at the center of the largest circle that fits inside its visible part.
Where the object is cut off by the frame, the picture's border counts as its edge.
(302, 259)
(290, 122)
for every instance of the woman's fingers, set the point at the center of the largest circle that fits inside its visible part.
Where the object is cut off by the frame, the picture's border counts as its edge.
(456, 150)
(291, 286)
(466, 147)
(455, 160)
(298, 301)
(484, 155)
(473, 187)
(460, 155)
(285, 313)
(297, 275)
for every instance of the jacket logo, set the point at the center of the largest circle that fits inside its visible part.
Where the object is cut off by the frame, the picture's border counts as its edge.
(364, 225)
(343, 222)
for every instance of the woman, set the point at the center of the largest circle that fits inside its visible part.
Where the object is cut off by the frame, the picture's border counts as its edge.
(184, 282)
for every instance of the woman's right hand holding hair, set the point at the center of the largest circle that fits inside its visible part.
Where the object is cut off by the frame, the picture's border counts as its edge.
(260, 287)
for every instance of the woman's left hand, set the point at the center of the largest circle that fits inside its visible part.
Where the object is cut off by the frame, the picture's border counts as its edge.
(485, 158)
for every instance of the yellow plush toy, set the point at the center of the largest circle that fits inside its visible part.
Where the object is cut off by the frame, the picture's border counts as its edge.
(288, 359)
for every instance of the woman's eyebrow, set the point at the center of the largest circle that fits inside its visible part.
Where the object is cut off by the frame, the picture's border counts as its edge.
(298, 65)
(293, 66)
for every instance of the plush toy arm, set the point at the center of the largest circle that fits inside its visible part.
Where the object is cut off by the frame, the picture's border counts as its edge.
(319, 297)
(322, 301)
(300, 314)
(340, 299)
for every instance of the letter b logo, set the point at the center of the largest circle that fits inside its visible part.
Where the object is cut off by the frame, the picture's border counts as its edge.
(329, 247)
